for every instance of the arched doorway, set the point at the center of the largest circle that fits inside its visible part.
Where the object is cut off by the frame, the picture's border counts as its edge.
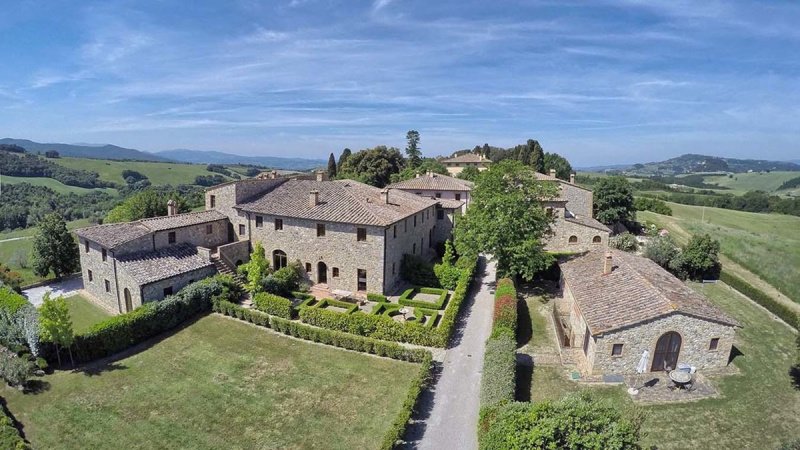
(278, 259)
(668, 348)
(128, 301)
(322, 272)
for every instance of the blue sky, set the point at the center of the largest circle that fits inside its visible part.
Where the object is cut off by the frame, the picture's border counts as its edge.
(600, 82)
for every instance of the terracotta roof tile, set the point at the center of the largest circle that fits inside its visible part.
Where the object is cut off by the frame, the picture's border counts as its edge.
(152, 266)
(115, 234)
(467, 158)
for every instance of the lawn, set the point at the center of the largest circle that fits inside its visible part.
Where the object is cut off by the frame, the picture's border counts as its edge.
(758, 408)
(220, 383)
(54, 185)
(159, 173)
(765, 244)
(84, 313)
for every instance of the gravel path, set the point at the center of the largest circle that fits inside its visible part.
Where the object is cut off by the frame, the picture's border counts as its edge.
(65, 288)
(447, 416)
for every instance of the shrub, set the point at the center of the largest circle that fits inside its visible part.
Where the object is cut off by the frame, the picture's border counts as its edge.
(575, 421)
(505, 316)
(652, 204)
(699, 258)
(407, 300)
(9, 435)
(662, 250)
(447, 275)
(13, 369)
(369, 325)
(273, 305)
(349, 307)
(10, 300)
(498, 381)
(625, 242)
(784, 312)
(398, 428)
(448, 321)
(373, 297)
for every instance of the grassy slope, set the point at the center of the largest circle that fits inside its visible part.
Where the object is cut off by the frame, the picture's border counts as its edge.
(53, 184)
(220, 384)
(766, 244)
(84, 313)
(758, 408)
(158, 173)
(743, 182)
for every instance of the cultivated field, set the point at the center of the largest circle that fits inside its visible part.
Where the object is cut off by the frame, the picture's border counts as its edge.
(159, 173)
(54, 185)
(743, 182)
(219, 383)
(765, 244)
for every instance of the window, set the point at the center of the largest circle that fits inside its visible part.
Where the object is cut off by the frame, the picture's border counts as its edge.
(278, 259)
(105, 254)
(86, 246)
(405, 222)
(418, 193)
(573, 239)
(438, 195)
(616, 350)
(439, 214)
(171, 237)
(212, 200)
(167, 291)
(414, 250)
(308, 267)
(395, 232)
(458, 196)
(421, 244)
(361, 234)
(596, 240)
(430, 238)
(320, 230)
(415, 220)
(242, 229)
(108, 285)
(393, 269)
(714, 344)
(278, 224)
(549, 211)
(362, 280)
(335, 272)
(90, 275)
(209, 229)
(259, 221)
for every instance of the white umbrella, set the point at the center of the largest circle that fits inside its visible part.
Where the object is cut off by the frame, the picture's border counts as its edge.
(640, 369)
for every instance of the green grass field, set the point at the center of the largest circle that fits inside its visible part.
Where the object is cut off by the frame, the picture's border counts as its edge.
(765, 244)
(54, 185)
(758, 408)
(743, 182)
(219, 383)
(159, 173)
(84, 314)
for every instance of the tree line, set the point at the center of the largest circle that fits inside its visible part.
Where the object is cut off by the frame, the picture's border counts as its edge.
(27, 165)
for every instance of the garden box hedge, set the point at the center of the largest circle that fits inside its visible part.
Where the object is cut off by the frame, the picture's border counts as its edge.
(375, 297)
(406, 299)
(325, 302)
(274, 305)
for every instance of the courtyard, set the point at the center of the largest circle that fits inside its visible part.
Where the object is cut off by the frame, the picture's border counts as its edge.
(218, 383)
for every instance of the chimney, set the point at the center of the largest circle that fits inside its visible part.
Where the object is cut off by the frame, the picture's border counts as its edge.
(572, 178)
(417, 176)
(172, 208)
(553, 173)
(607, 263)
(385, 196)
(322, 175)
(313, 198)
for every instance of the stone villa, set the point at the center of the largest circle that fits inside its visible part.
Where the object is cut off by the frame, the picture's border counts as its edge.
(349, 237)
(615, 305)
(461, 162)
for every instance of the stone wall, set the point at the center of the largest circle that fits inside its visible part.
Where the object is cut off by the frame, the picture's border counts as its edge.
(235, 252)
(412, 240)
(155, 291)
(564, 229)
(443, 230)
(100, 271)
(196, 235)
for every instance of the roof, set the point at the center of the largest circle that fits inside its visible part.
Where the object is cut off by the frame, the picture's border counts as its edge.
(635, 291)
(467, 158)
(149, 267)
(344, 201)
(434, 181)
(115, 234)
(545, 177)
(588, 222)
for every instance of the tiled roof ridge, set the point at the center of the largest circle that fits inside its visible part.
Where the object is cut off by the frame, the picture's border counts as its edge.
(343, 188)
(186, 214)
(644, 278)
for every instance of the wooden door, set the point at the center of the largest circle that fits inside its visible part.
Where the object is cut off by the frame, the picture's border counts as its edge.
(668, 348)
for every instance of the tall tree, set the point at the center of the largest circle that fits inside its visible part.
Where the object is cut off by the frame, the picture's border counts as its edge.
(525, 154)
(507, 219)
(54, 249)
(470, 173)
(537, 155)
(486, 151)
(343, 157)
(427, 165)
(412, 148)
(56, 324)
(559, 163)
(613, 200)
(331, 167)
(373, 166)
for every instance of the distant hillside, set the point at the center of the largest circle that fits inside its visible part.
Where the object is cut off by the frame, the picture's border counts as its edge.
(691, 163)
(107, 151)
(212, 157)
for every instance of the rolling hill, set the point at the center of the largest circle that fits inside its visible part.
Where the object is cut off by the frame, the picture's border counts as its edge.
(212, 157)
(106, 151)
(692, 163)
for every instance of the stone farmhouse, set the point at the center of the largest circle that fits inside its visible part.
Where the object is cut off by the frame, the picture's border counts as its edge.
(456, 165)
(615, 305)
(349, 237)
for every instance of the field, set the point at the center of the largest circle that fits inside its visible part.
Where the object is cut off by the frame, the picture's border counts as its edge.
(158, 173)
(758, 408)
(54, 185)
(219, 383)
(766, 244)
(743, 182)
(84, 314)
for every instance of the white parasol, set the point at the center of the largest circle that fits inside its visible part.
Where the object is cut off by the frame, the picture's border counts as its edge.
(640, 369)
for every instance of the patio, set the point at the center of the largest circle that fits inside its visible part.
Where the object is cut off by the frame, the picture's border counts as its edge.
(656, 387)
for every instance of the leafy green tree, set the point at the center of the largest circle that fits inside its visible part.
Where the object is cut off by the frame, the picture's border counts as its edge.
(145, 204)
(559, 163)
(662, 250)
(699, 259)
(525, 154)
(625, 242)
(256, 269)
(10, 278)
(412, 148)
(507, 219)
(613, 200)
(331, 167)
(537, 155)
(470, 173)
(343, 157)
(54, 249)
(56, 324)
(427, 165)
(373, 166)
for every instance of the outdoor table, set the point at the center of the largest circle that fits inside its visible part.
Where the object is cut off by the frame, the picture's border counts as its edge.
(682, 380)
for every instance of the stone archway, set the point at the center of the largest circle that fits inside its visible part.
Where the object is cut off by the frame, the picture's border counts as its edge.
(667, 350)
(322, 273)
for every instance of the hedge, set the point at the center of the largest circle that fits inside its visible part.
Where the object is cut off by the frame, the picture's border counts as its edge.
(398, 429)
(10, 300)
(406, 300)
(321, 335)
(505, 309)
(350, 307)
(784, 312)
(9, 435)
(382, 308)
(498, 381)
(273, 304)
(448, 321)
(374, 297)
(151, 319)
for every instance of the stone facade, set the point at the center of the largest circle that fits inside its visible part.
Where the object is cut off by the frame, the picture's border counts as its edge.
(572, 237)
(580, 200)
(155, 291)
(574, 230)
(414, 235)
(444, 195)
(443, 230)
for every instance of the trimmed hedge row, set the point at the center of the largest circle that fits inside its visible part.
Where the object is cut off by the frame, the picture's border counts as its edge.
(505, 309)
(321, 335)
(498, 381)
(757, 295)
(350, 307)
(448, 321)
(9, 435)
(391, 438)
(273, 304)
(405, 299)
(374, 297)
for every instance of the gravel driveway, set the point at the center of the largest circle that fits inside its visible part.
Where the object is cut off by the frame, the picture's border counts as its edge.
(65, 288)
